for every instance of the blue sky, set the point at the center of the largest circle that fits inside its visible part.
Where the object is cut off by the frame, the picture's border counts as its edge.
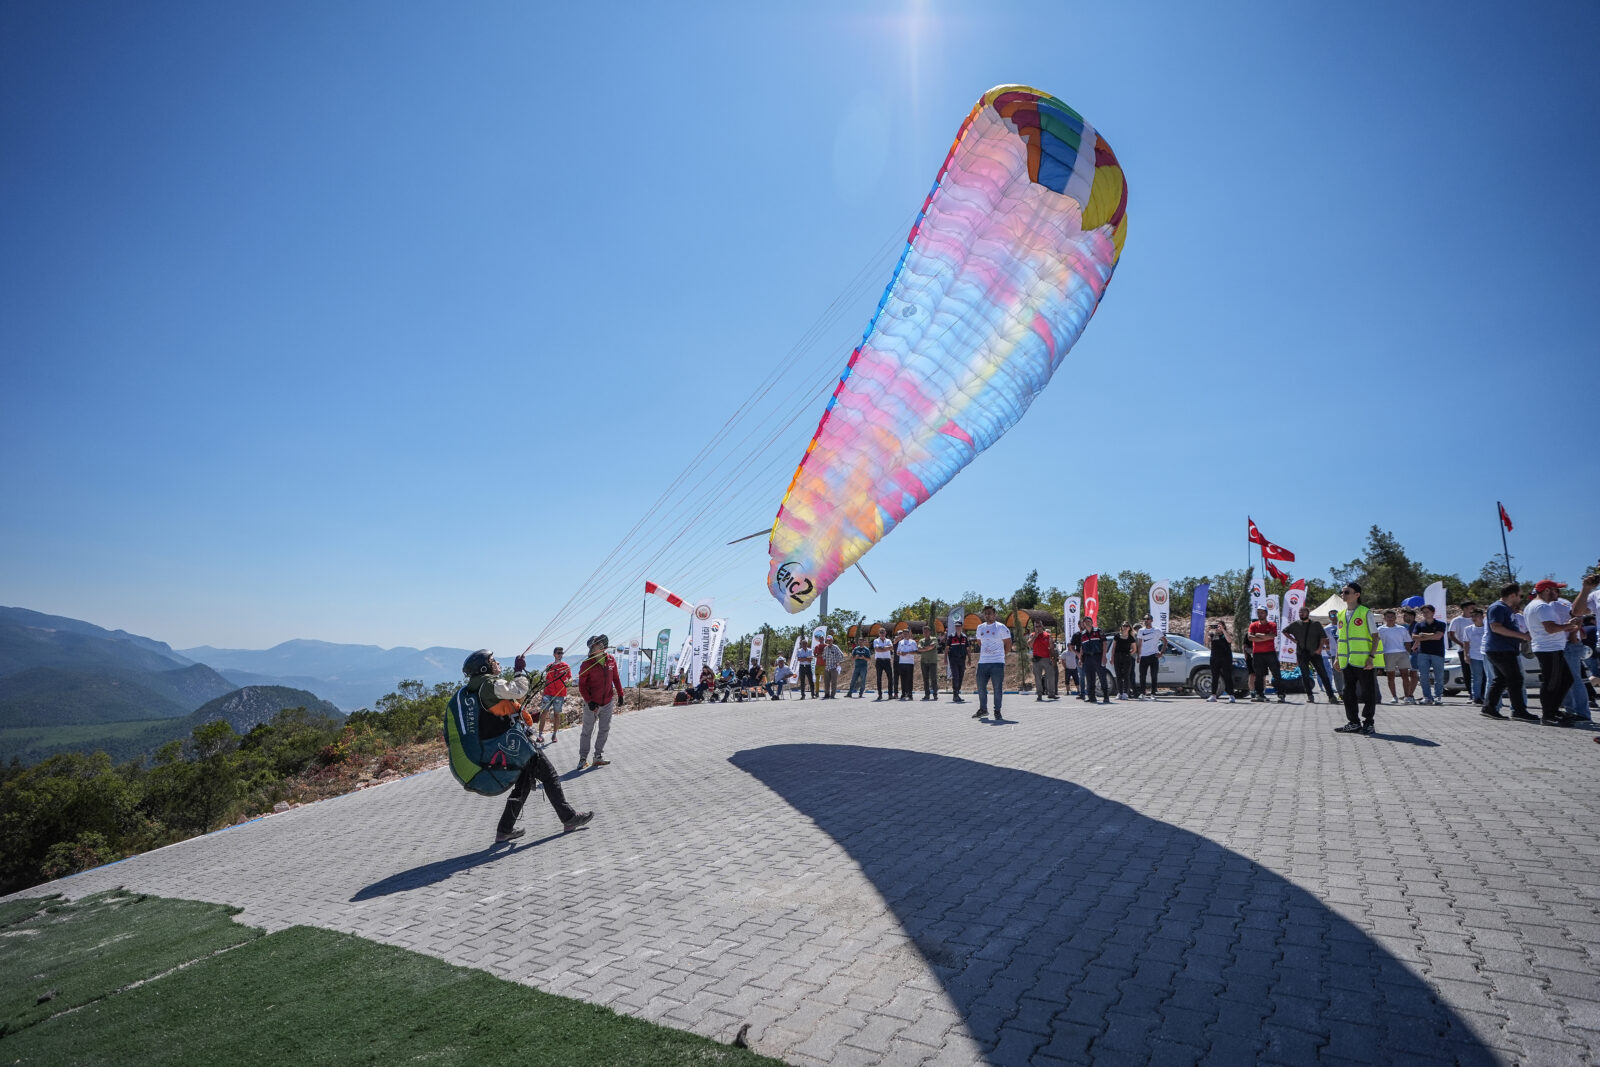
(383, 323)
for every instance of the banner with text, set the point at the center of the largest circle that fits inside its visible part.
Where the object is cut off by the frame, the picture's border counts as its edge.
(1161, 604)
(1070, 612)
(1293, 600)
(1197, 612)
(1258, 595)
(714, 635)
(658, 669)
(758, 645)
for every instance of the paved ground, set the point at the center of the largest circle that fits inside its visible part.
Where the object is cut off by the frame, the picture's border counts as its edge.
(897, 883)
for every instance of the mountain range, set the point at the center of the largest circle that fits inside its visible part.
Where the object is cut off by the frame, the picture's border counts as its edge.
(66, 682)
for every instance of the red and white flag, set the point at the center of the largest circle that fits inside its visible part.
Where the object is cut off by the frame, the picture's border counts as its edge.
(1268, 549)
(1503, 516)
(1282, 576)
(670, 597)
(1091, 599)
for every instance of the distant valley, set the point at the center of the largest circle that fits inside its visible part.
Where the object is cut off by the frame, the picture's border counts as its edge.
(69, 685)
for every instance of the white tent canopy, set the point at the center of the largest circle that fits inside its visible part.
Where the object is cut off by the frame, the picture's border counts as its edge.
(1332, 604)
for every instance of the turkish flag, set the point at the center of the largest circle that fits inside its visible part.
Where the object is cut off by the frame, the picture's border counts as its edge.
(1091, 598)
(1275, 572)
(1268, 549)
(1504, 517)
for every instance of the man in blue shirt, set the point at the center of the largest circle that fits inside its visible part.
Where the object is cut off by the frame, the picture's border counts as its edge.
(1502, 644)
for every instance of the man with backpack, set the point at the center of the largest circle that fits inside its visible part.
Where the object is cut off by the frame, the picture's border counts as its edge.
(500, 710)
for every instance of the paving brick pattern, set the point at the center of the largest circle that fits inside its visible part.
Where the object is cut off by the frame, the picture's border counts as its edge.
(866, 883)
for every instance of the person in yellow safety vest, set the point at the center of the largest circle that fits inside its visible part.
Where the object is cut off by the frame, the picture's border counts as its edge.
(1360, 658)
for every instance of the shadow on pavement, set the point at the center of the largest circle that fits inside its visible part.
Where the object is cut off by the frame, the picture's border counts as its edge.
(1406, 739)
(1066, 925)
(439, 870)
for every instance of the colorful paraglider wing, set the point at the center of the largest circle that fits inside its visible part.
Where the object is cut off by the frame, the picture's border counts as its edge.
(1003, 268)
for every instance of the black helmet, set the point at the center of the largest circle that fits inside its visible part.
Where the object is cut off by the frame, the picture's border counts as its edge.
(477, 663)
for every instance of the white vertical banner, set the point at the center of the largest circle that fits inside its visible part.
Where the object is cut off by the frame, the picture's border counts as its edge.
(1258, 594)
(956, 622)
(1271, 604)
(758, 645)
(1293, 601)
(699, 639)
(1434, 595)
(1070, 612)
(1161, 604)
(715, 631)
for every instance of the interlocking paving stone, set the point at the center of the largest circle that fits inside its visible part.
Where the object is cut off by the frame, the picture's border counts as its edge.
(870, 884)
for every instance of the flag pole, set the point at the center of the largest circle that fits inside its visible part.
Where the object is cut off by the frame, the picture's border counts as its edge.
(1500, 512)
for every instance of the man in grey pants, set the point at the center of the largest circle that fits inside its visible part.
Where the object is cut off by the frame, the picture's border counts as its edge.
(601, 689)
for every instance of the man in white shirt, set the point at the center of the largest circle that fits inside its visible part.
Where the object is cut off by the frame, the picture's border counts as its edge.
(1472, 652)
(994, 647)
(1457, 631)
(883, 662)
(1330, 653)
(1396, 657)
(1550, 626)
(1583, 604)
(905, 667)
(1152, 643)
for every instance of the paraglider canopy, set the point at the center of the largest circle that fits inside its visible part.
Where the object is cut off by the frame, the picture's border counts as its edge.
(1001, 273)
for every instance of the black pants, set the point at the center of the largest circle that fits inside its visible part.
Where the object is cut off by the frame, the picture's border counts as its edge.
(904, 672)
(538, 767)
(1555, 678)
(1149, 666)
(1314, 663)
(1222, 678)
(1268, 661)
(958, 671)
(1507, 680)
(1091, 672)
(807, 677)
(930, 680)
(1360, 693)
(1124, 666)
(885, 668)
(1466, 674)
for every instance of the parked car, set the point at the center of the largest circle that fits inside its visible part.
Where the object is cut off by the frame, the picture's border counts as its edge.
(1452, 673)
(1187, 664)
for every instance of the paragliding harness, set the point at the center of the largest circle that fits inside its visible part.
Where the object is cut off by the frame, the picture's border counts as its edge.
(487, 767)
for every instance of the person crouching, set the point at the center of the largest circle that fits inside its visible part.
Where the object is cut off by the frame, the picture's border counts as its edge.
(500, 702)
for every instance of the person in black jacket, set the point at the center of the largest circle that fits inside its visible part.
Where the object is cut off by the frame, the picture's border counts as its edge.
(1309, 637)
(1221, 664)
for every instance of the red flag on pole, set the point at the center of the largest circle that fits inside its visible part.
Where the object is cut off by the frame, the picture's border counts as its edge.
(1268, 549)
(1275, 572)
(1504, 517)
(1091, 598)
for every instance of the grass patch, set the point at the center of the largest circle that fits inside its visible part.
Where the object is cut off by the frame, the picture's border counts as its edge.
(70, 954)
(305, 995)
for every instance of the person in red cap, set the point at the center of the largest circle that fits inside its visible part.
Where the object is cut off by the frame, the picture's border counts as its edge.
(1550, 627)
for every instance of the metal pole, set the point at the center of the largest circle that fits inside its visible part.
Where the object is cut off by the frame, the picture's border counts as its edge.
(823, 602)
(1500, 510)
(643, 604)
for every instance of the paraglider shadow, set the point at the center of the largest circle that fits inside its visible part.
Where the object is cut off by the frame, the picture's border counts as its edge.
(439, 870)
(1064, 924)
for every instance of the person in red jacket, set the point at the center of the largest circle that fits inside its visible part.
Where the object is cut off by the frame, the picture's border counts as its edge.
(601, 689)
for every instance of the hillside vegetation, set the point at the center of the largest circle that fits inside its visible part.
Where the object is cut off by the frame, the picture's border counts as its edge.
(74, 811)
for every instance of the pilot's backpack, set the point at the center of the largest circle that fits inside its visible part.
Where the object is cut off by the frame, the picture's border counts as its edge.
(485, 767)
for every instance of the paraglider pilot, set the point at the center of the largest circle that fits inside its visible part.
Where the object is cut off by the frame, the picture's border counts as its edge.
(501, 703)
